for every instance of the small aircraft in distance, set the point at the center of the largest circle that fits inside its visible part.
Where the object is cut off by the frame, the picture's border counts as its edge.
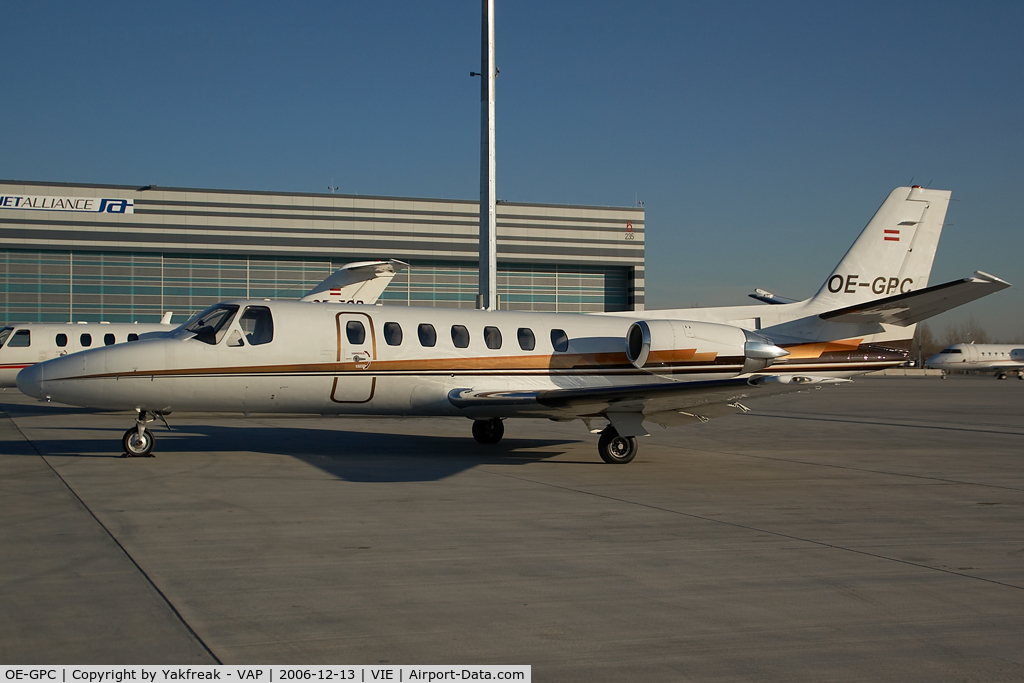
(23, 344)
(622, 369)
(1000, 359)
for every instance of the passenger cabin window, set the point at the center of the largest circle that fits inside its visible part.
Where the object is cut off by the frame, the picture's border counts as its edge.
(21, 338)
(4, 334)
(61, 339)
(258, 325)
(85, 340)
(559, 340)
(492, 337)
(527, 342)
(393, 334)
(355, 332)
(108, 339)
(211, 325)
(427, 334)
(460, 336)
(133, 337)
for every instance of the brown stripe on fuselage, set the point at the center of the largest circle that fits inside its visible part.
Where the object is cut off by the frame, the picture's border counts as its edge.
(566, 361)
(814, 350)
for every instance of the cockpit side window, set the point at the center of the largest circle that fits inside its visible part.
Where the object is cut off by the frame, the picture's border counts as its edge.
(4, 334)
(21, 338)
(212, 324)
(951, 351)
(258, 325)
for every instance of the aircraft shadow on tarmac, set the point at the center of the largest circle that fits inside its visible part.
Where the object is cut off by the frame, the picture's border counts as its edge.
(355, 456)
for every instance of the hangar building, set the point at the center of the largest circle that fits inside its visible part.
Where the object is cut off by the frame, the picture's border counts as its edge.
(122, 253)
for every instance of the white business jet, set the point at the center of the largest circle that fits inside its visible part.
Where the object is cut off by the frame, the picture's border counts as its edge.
(1000, 359)
(626, 369)
(23, 344)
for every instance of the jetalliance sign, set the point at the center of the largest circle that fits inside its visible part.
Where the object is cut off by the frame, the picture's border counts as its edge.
(89, 204)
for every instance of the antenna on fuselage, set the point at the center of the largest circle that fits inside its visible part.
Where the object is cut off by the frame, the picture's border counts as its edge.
(488, 295)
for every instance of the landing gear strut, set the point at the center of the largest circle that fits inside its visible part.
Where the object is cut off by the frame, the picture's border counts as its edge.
(615, 449)
(138, 441)
(488, 431)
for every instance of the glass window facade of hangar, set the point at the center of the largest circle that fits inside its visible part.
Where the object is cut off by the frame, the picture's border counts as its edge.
(42, 286)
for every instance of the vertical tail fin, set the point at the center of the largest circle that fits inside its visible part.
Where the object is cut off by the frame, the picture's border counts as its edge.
(894, 252)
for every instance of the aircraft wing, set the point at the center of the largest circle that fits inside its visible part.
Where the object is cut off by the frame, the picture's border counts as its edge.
(913, 307)
(667, 403)
(361, 282)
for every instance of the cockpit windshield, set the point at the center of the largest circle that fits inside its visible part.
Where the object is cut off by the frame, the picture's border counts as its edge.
(211, 325)
(4, 334)
(950, 351)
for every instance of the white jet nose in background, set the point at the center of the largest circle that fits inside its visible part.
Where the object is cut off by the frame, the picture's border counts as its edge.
(30, 380)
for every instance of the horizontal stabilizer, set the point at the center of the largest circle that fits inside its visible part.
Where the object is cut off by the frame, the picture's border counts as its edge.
(361, 282)
(769, 298)
(913, 307)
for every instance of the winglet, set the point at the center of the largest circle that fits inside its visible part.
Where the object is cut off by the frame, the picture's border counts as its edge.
(166, 319)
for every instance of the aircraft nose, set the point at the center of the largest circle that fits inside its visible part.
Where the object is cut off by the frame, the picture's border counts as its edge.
(30, 380)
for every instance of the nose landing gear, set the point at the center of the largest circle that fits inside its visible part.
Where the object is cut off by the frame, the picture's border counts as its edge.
(138, 441)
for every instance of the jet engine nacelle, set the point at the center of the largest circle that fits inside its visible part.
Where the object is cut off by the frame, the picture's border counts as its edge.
(655, 345)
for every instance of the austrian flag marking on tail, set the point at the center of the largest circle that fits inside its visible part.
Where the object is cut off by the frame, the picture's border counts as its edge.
(892, 235)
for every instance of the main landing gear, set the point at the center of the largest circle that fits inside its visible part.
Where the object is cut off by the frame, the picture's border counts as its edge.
(488, 431)
(615, 449)
(138, 441)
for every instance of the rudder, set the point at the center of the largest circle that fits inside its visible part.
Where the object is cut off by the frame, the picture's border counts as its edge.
(894, 252)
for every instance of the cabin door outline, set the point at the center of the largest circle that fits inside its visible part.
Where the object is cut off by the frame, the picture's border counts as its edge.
(354, 383)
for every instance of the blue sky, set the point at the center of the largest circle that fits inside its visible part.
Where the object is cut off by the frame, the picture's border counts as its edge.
(761, 136)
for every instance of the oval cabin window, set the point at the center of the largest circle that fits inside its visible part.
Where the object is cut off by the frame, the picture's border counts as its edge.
(527, 342)
(393, 334)
(355, 332)
(559, 340)
(492, 337)
(460, 336)
(427, 334)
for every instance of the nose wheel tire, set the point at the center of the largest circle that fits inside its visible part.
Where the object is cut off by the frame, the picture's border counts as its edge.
(488, 431)
(615, 449)
(135, 446)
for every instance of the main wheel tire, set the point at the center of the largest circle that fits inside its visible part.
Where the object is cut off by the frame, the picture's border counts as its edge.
(134, 447)
(615, 449)
(488, 431)
(1001, 375)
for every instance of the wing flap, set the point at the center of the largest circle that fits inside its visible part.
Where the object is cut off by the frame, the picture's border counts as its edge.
(913, 307)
